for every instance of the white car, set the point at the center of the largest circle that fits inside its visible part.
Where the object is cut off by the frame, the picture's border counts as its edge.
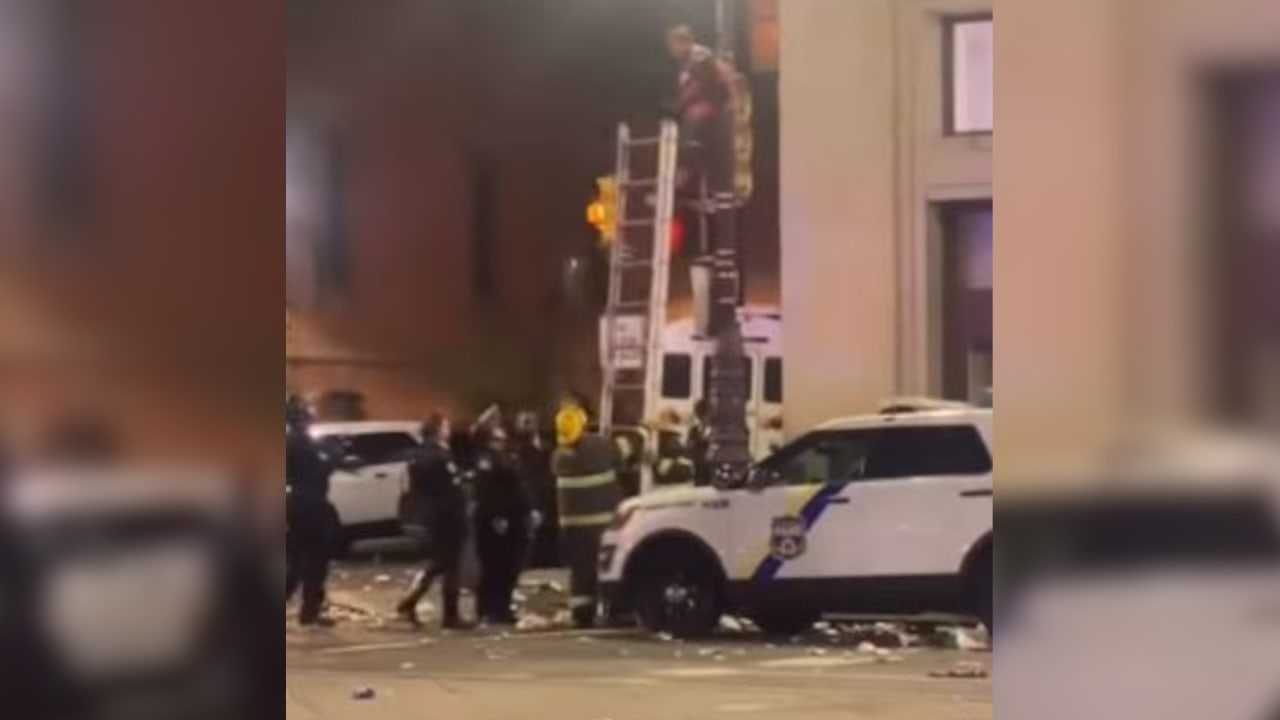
(887, 513)
(367, 497)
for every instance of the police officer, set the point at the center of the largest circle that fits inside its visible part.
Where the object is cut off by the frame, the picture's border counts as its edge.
(437, 503)
(587, 494)
(502, 523)
(313, 531)
(533, 459)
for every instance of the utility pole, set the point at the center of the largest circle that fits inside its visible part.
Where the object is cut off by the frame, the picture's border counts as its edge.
(724, 30)
(728, 391)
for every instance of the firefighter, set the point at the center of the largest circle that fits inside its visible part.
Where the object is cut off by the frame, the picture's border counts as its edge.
(314, 531)
(502, 523)
(436, 502)
(673, 464)
(697, 443)
(587, 493)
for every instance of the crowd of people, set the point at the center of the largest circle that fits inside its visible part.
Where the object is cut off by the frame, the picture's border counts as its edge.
(498, 482)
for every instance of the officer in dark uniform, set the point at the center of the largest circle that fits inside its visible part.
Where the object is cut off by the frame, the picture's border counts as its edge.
(533, 460)
(587, 495)
(502, 524)
(437, 503)
(314, 530)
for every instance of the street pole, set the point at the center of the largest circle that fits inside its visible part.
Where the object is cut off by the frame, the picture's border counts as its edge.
(724, 30)
(730, 451)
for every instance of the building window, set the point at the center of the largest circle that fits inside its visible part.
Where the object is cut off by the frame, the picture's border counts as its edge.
(773, 380)
(333, 271)
(1242, 246)
(966, 301)
(968, 62)
(483, 193)
(677, 376)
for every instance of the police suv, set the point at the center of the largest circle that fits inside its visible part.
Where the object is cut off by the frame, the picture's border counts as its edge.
(887, 513)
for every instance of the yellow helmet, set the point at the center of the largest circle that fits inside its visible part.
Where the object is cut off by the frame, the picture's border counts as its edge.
(571, 422)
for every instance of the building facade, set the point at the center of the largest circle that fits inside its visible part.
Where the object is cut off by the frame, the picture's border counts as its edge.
(886, 203)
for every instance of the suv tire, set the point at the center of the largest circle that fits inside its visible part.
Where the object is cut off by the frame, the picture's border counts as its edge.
(981, 591)
(682, 599)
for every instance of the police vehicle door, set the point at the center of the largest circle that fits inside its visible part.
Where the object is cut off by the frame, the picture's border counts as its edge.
(797, 526)
(922, 498)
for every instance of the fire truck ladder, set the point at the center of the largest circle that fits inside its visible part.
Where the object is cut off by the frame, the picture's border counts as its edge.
(635, 312)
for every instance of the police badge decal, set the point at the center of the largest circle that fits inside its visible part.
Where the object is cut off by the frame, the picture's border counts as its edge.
(787, 541)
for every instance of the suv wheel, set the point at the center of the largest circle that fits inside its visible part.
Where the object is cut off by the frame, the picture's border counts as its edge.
(981, 591)
(682, 600)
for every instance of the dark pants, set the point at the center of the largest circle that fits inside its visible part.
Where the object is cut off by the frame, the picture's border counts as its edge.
(501, 558)
(309, 546)
(444, 560)
(580, 547)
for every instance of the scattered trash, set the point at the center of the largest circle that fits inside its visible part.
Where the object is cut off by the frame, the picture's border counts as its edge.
(382, 579)
(731, 624)
(555, 586)
(963, 669)
(364, 693)
(707, 651)
(665, 637)
(519, 597)
(366, 588)
(407, 666)
(563, 618)
(822, 626)
(532, 622)
(866, 646)
(817, 651)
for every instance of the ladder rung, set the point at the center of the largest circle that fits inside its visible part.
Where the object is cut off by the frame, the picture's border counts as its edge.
(635, 263)
(644, 182)
(627, 386)
(641, 142)
(635, 223)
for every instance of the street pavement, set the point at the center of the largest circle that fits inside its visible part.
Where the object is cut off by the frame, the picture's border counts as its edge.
(372, 665)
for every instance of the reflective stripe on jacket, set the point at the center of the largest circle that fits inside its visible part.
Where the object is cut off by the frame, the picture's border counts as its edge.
(587, 490)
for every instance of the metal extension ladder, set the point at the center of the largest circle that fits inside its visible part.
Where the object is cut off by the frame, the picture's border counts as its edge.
(635, 313)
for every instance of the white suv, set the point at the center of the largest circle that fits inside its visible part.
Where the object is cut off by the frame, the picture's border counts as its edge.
(367, 497)
(887, 513)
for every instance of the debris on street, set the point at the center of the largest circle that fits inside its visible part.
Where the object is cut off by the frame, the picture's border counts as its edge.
(967, 669)
(363, 693)
(532, 622)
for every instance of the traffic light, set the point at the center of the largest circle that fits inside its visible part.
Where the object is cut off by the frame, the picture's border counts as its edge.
(602, 213)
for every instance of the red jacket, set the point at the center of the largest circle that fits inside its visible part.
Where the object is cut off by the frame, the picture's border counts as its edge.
(703, 87)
